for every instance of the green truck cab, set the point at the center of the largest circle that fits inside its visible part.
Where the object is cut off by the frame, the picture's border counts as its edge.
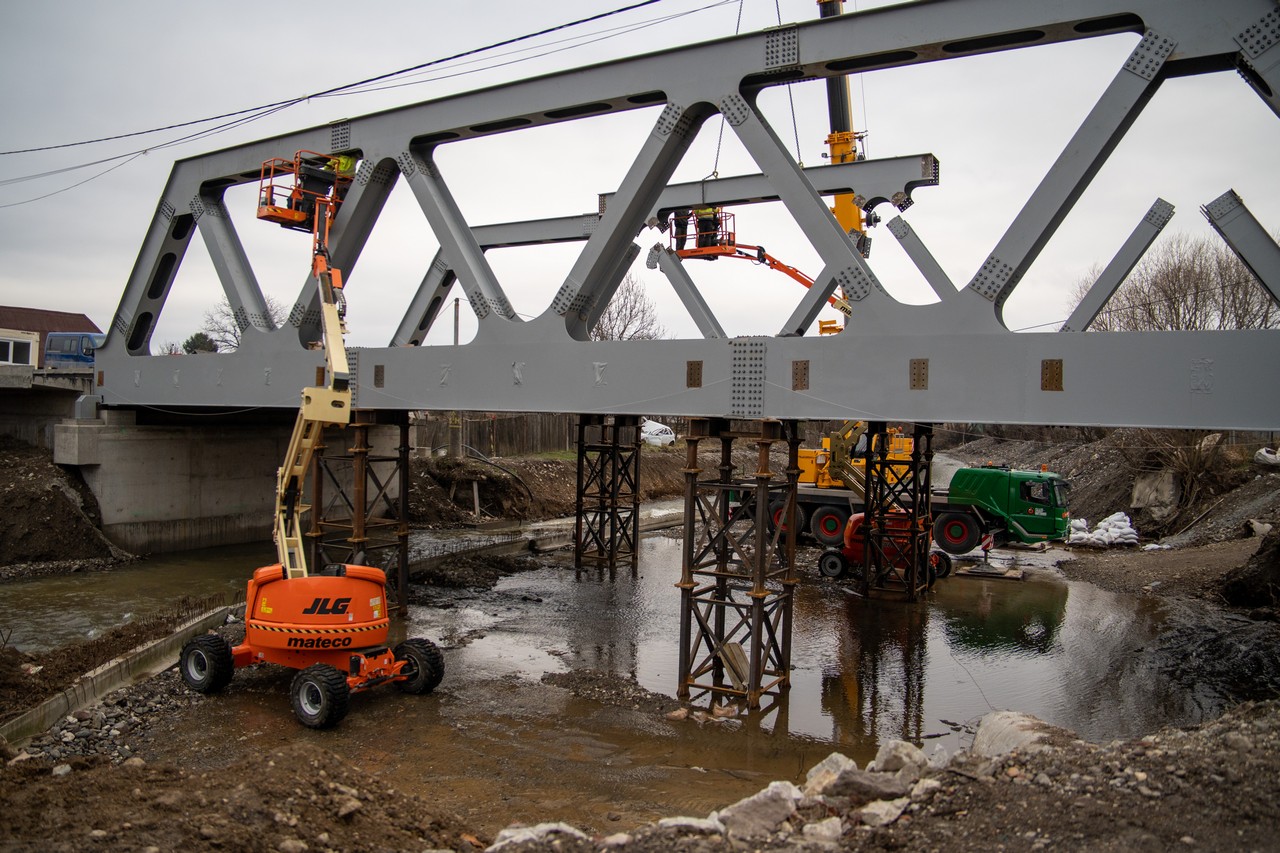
(1007, 504)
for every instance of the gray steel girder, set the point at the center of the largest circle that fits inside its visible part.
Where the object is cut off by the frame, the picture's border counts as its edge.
(1247, 238)
(980, 371)
(1156, 218)
(891, 180)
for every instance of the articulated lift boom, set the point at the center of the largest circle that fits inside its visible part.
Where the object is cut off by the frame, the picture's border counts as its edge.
(330, 623)
(724, 244)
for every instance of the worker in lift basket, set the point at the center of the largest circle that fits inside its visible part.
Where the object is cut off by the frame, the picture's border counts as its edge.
(344, 167)
(708, 217)
(680, 224)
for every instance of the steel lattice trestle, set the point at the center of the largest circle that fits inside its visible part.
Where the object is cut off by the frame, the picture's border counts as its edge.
(738, 575)
(897, 525)
(607, 527)
(362, 522)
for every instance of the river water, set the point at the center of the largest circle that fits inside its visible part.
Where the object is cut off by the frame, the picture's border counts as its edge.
(863, 670)
(496, 745)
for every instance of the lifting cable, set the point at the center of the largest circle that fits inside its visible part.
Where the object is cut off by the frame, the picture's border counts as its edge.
(795, 130)
(715, 166)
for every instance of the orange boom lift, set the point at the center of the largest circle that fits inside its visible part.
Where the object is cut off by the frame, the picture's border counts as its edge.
(332, 624)
(723, 243)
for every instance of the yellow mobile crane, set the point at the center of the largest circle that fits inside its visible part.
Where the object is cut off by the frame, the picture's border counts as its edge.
(842, 146)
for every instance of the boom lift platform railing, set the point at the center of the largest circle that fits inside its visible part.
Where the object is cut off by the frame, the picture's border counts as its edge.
(722, 242)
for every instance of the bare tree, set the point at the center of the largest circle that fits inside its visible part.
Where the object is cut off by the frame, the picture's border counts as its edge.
(1185, 283)
(221, 326)
(630, 315)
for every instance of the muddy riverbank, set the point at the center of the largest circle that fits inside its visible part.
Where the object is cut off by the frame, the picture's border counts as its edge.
(549, 716)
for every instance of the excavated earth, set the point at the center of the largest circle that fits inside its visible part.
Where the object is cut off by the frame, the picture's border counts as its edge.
(86, 784)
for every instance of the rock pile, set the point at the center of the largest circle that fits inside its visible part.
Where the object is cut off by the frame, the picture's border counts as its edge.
(837, 797)
(106, 728)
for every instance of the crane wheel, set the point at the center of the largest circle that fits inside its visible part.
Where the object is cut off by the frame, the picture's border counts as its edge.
(320, 696)
(827, 525)
(956, 532)
(832, 564)
(206, 663)
(425, 667)
(777, 511)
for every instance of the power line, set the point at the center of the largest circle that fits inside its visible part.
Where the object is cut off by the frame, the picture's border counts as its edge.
(339, 89)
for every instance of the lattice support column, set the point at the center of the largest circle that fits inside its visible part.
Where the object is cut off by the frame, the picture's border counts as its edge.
(898, 522)
(607, 523)
(737, 577)
(360, 503)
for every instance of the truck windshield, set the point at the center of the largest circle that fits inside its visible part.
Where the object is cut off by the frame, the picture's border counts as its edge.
(1061, 493)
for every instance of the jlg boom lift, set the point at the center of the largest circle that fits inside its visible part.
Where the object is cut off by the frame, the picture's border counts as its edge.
(329, 624)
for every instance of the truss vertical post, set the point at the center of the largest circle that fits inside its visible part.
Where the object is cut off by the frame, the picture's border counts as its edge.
(607, 522)
(737, 577)
(897, 525)
(316, 558)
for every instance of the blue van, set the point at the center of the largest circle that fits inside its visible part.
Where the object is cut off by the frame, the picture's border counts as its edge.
(71, 349)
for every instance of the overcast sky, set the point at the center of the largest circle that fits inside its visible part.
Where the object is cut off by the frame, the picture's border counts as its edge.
(78, 71)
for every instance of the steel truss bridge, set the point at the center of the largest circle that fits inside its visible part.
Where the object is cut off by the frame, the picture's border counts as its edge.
(954, 360)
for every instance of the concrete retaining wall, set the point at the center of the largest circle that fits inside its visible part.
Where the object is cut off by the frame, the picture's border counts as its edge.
(141, 663)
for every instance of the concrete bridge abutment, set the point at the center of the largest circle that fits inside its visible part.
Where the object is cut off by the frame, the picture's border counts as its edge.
(180, 486)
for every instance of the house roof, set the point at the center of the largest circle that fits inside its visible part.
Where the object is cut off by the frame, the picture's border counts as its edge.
(43, 320)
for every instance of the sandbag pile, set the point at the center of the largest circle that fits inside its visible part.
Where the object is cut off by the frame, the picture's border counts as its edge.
(1114, 530)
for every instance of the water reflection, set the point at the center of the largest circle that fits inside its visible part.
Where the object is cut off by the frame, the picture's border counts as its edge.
(873, 689)
(1001, 616)
(862, 670)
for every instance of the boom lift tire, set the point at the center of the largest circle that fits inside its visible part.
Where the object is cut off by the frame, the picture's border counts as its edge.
(956, 532)
(827, 525)
(940, 564)
(206, 663)
(320, 696)
(425, 667)
(776, 511)
(832, 563)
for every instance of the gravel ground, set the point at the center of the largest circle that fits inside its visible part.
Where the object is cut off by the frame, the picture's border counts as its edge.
(1213, 787)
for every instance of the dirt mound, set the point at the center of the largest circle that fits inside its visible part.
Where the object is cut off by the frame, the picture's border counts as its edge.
(49, 515)
(1257, 582)
(298, 798)
(470, 572)
(446, 492)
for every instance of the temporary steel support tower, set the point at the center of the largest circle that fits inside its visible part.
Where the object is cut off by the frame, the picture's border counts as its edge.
(737, 579)
(359, 521)
(898, 524)
(607, 525)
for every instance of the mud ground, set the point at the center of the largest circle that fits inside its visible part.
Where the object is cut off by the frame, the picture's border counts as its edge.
(1207, 788)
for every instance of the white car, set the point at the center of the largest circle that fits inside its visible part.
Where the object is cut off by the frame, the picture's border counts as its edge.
(659, 435)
